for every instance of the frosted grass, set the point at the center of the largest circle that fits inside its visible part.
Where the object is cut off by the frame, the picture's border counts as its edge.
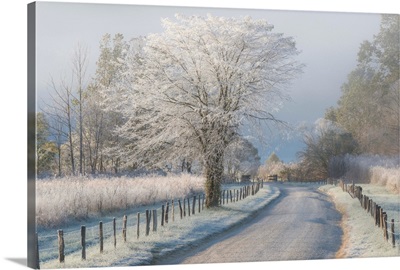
(374, 169)
(71, 199)
(362, 238)
(174, 236)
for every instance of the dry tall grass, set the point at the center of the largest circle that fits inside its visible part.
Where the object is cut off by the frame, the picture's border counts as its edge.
(77, 198)
(388, 177)
(374, 169)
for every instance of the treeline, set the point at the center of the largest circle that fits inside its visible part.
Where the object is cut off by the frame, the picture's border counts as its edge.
(74, 130)
(367, 116)
(80, 127)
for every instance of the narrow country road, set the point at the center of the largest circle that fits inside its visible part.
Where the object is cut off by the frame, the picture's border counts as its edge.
(302, 224)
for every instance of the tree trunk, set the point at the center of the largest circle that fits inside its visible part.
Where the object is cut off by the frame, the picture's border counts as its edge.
(59, 160)
(213, 172)
(71, 151)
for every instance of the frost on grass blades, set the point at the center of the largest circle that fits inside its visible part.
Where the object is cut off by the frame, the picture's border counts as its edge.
(362, 238)
(176, 235)
(64, 200)
(375, 169)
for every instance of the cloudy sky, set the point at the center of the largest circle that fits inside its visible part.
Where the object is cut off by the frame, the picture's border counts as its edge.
(329, 42)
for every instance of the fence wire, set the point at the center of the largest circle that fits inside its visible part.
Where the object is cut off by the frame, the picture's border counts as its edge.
(48, 244)
(371, 206)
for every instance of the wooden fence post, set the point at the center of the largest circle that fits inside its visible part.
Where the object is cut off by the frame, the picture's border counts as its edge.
(184, 207)
(173, 210)
(61, 246)
(180, 209)
(162, 215)
(230, 193)
(124, 223)
(147, 222)
(392, 231)
(377, 215)
(194, 205)
(188, 203)
(154, 220)
(370, 206)
(380, 217)
(240, 197)
(374, 210)
(223, 197)
(115, 232)
(101, 236)
(199, 203)
(138, 226)
(385, 231)
(37, 259)
(83, 242)
(166, 213)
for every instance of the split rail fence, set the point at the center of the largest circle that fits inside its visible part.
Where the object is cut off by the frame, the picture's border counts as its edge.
(64, 243)
(378, 214)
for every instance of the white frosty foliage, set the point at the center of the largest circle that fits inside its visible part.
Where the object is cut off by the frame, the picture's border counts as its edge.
(193, 86)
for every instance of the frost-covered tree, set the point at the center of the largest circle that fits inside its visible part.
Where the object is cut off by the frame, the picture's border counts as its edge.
(241, 158)
(273, 165)
(196, 84)
(101, 119)
(79, 66)
(323, 143)
(64, 109)
(273, 158)
(60, 113)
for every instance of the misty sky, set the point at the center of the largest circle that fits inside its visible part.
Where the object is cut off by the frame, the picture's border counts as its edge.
(328, 41)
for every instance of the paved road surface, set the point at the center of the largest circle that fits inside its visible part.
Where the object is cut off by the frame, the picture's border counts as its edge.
(302, 224)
